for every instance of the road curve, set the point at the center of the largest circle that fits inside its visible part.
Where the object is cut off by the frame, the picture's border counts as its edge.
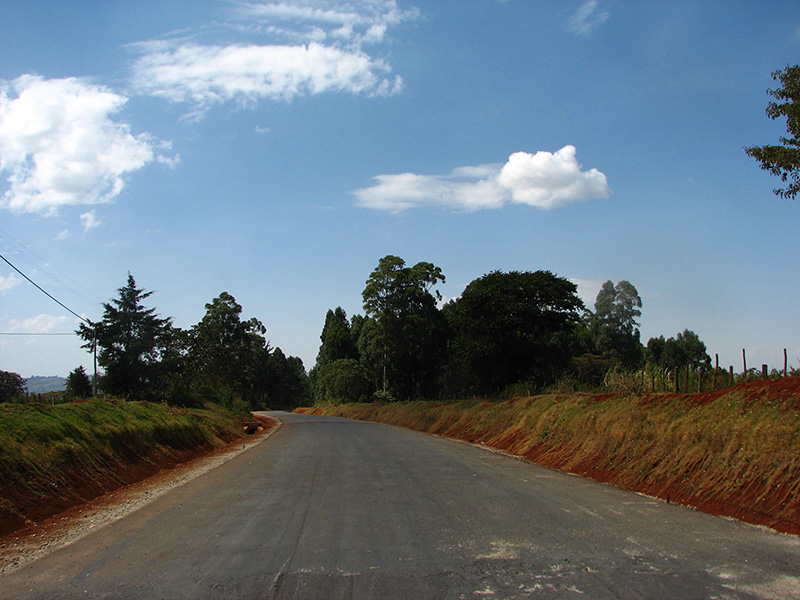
(330, 508)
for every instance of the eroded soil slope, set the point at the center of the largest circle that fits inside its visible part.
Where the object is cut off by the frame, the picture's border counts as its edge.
(733, 452)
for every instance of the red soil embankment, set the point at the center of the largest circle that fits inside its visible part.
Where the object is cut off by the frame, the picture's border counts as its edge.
(733, 452)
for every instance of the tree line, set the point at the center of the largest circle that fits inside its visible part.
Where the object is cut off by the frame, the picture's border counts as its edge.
(222, 359)
(506, 328)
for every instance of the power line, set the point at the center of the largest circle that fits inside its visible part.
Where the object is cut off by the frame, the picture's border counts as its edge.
(38, 287)
(38, 264)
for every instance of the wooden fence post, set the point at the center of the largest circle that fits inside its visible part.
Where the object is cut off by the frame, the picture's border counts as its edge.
(730, 376)
(785, 363)
(677, 385)
(716, 369)
(744, 362)
(764, 371)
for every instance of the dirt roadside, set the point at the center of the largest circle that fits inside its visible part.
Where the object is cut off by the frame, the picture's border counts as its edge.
(32, 542)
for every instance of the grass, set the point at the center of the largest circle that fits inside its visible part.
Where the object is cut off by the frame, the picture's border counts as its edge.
(734, 452)
(52, 457)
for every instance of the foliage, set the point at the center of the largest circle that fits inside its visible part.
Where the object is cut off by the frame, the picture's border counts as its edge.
(78, 384)
(405, 340)
(287, 384)
(614, 327)
(229, 360)
(228, 353)
(222, 359)
(783, 161)
(130, 339)
(12, 385)
(343, 380)
(684, 350)
(516, 326)
(337, 340)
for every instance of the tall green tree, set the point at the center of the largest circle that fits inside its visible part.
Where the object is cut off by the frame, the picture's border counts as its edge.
(78, 383)
(288, 385)
(408, 334)
(516, 326)
(130, 339)
(783, 161)
(337, 344)
(227, 353)
(615, 329)
(337, 340)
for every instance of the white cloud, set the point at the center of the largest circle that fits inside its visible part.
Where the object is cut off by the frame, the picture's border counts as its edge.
(587, 18)
(89, 220)
(6, 283)
(39, 324)
(544, 180)
(60, 145)
(294, 48)
(209, 75)
(353, 22)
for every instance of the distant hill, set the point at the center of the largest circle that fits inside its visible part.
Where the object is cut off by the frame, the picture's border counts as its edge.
(42, 385)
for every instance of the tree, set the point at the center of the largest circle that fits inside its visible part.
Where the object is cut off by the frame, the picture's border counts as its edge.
(516, 326)
(12, 385)
(615, 330)
(408, 334)
(228, 354)
(783, 161)
(78, 384)
(129, 339)
(684, 350)
(336, 338)
(343, 380)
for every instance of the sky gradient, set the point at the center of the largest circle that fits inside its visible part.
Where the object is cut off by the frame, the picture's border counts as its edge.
(277, 150)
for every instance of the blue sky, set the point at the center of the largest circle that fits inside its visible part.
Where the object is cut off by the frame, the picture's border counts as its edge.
(277, 149)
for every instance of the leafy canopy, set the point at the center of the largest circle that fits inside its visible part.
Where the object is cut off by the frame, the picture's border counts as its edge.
(783, 161)
(616, 331)
(404, 343)
(130, 339)
(515, 326)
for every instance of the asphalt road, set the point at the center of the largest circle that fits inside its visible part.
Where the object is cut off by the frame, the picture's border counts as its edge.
(330, 508)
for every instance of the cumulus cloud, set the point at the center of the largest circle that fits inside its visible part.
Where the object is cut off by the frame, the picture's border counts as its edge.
(38, 324)
(6, 283)
(587, 18)
(543, 180)
(60, 145)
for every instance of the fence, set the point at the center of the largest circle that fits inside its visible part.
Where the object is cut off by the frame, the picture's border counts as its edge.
(688, 380)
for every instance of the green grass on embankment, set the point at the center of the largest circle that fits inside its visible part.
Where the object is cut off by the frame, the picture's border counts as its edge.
(54, 457)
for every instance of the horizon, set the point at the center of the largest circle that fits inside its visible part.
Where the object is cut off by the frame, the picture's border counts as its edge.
(277, 150)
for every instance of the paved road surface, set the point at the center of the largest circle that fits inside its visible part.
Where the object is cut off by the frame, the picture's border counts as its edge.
(329, 508)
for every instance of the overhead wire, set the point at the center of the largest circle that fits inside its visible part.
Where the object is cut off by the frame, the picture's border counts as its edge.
(45, 292)
(25, 254)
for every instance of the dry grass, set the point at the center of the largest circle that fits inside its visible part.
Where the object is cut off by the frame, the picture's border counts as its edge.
(734, 453)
